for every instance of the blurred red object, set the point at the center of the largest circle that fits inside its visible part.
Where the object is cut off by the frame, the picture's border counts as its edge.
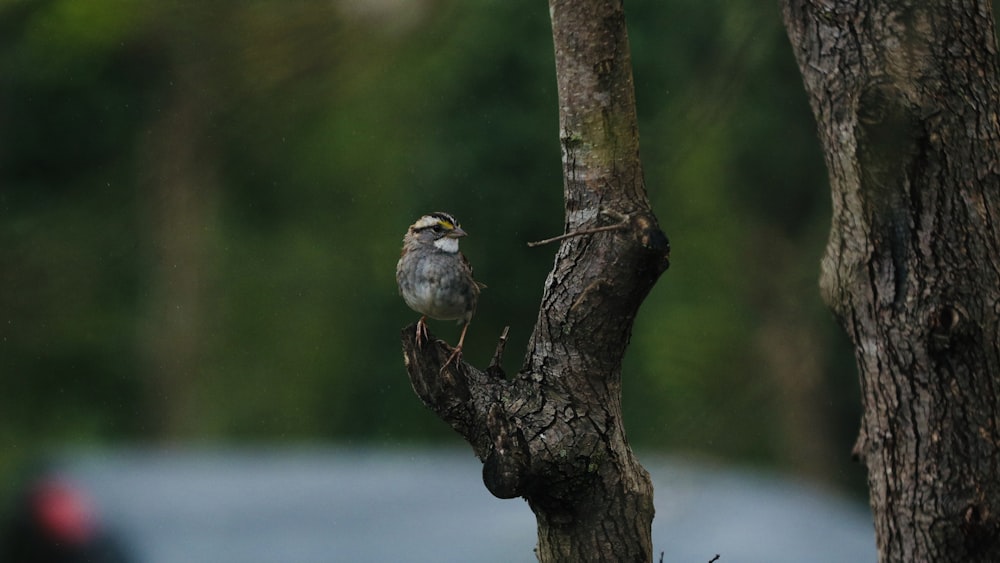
(54, 520)
(63, 512)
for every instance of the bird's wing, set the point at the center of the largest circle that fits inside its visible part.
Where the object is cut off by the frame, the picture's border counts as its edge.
(468, 265)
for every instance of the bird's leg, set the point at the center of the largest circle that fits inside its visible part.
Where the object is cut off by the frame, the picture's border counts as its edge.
(457, 352)
(421, 331)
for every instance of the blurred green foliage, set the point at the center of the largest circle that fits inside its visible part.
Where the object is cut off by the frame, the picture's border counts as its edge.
(201, 206)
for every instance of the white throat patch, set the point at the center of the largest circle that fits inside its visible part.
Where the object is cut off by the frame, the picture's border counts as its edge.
(447, 244)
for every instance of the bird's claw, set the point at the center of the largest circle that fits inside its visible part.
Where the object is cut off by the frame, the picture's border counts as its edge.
(421, 335)
(455, 354)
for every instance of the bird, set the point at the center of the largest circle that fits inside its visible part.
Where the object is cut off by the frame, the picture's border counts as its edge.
(434, 278)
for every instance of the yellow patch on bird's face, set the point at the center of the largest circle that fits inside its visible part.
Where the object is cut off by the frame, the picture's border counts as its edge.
(434, 220)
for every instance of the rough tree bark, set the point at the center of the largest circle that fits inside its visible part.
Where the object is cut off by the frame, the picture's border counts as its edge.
(906, 95)
(553, 434)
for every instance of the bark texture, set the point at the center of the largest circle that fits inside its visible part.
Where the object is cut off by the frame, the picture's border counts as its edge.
(553, 433)
(906, 97)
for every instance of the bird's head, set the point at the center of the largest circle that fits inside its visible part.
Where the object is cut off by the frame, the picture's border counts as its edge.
(439, 229)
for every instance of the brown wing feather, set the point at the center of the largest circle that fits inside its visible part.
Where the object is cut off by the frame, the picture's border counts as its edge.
(468, 265)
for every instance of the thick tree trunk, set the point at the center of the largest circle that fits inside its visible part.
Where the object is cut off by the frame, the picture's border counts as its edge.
(906, 96)
(554, 433)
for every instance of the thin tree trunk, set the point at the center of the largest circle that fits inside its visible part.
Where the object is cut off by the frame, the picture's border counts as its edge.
(178, 183)
(554, 433)
(906, 97)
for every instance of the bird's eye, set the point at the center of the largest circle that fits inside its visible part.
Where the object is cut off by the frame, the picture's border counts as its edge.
(437, 229)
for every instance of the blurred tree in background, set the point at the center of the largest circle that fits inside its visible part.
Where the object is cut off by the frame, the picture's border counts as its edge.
(201, 206)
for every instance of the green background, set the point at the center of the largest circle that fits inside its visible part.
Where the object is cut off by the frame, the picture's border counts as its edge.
(202, 204)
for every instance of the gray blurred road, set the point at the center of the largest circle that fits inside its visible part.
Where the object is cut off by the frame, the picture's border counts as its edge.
(317, 505)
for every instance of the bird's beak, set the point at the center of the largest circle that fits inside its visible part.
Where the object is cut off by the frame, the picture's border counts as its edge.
(457, 232)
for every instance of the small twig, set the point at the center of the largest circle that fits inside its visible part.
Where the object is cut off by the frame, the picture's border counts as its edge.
(501, 344)
(495, 368)
(615, 227)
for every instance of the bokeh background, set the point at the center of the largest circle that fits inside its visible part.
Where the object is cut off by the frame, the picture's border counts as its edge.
(202, 204)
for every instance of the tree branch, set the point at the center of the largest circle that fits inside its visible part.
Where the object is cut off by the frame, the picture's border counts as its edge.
(553, 433)
(616, 227)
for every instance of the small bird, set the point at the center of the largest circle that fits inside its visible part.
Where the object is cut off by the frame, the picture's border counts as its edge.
(434, 278)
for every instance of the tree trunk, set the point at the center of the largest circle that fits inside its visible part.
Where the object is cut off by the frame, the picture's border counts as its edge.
(906, 97)
(553, 434)
(178, 184)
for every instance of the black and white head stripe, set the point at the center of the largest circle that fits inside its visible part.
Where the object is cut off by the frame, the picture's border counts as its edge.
(436, 219)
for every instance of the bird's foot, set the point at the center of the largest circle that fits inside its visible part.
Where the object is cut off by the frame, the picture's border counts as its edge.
(421, 335)
(456, 354)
